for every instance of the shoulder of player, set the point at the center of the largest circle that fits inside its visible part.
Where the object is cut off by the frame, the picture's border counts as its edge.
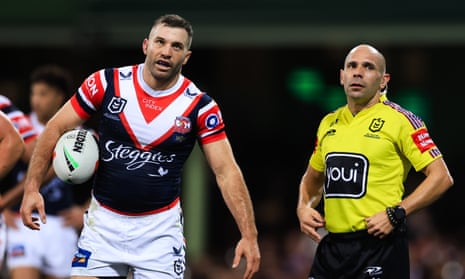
(193, 91)
(330, 117)
(402, 114)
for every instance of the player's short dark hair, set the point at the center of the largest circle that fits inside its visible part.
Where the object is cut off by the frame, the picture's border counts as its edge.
(54, 76)
(173, 20)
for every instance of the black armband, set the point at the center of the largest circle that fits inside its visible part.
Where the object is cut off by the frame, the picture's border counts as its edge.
(396, 215)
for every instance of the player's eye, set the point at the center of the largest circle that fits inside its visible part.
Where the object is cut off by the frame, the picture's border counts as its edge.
(178, 46)
(351, 65)
(369, 66)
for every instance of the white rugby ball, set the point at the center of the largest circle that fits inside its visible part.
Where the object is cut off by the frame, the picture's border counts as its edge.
(75, 157)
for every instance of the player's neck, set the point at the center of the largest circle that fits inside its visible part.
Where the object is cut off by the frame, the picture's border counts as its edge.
(356, 106)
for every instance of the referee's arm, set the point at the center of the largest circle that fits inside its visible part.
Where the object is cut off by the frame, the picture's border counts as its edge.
(436, 182)
(310, 193)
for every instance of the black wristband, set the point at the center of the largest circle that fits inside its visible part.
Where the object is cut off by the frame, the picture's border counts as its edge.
(390, 214)
(396, 216)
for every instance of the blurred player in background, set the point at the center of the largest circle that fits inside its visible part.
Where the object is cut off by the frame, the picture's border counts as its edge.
(11, 149)
(17, 141)
(11, 145)
(363, 154)
(151, 118)
(47, 253)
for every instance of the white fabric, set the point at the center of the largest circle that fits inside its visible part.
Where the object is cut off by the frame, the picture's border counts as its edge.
(150, 246)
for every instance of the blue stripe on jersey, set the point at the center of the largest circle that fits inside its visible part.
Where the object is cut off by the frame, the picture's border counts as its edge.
(415, 120)
(83, 104)
(435, 152)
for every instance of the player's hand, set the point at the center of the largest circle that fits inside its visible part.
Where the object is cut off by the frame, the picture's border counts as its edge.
(32, 201)
(379, 225)
(247, 248)
(310, 221)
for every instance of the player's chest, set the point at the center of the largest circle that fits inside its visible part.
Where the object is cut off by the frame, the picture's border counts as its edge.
(150, 121)
(370, 136)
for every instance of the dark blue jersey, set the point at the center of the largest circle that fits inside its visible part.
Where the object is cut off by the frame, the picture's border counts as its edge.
(145, 136)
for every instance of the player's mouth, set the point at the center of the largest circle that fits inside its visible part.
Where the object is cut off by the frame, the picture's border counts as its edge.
(164, 64)
(356, 86)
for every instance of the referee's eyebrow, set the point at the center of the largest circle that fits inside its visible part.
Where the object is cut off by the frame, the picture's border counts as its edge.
(365, 64)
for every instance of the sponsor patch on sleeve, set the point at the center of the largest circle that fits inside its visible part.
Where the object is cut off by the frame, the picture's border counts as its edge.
(423, 140)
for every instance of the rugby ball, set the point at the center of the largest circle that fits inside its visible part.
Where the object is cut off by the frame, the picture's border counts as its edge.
(75, 157)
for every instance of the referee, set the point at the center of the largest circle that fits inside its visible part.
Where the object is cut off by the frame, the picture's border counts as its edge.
(363, 153)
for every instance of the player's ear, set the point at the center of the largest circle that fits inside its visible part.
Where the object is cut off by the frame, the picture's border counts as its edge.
(385, 80)
(145, 46)
(186, 58)
(341, 76)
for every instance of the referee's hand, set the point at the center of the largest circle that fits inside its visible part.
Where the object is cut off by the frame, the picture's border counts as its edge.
(379, 225)
(310, 221)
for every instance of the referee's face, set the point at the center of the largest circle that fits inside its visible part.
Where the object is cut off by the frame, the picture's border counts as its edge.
(363, 74)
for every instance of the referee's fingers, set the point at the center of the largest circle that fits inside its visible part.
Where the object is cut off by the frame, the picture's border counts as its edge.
(311, 231)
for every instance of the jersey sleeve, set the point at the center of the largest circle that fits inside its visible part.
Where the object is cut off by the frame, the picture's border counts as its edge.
(317, 160)
(210, 122)
(417, 144)
(21, 122)
(88, 98)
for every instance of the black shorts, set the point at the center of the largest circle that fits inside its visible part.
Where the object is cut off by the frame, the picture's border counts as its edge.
(360, 255)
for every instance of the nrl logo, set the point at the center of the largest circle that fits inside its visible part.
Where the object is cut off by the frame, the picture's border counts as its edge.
(376, 125)
(116, 105)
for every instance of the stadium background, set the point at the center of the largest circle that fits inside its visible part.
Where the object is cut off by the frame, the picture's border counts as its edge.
(273, 67)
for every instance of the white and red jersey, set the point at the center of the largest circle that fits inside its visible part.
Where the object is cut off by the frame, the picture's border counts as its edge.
(18, 118)
(145, 136)
(27, 132)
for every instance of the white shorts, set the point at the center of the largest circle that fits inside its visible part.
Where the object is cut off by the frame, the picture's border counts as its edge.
(149, 246)
(2, 239)
(50, 250)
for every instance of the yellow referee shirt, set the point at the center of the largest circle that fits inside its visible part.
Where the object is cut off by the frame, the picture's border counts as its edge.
(366, 158)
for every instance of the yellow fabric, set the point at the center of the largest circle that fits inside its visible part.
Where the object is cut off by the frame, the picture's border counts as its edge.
(366, 159)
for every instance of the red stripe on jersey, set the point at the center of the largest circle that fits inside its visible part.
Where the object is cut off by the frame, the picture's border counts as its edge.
(122, 116)
(158, 210)
(24, 127)
(150, 106)
(186, 112)
(91, 91)
(93, 88)
(212, 138)
(20, 121)
(168, 100)
(78, 109)
(211, 124)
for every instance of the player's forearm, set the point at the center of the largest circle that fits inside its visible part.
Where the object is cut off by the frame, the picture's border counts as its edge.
(41, 160)
(306, 200)
(437, 181)
(310, 190)
(237, 199)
